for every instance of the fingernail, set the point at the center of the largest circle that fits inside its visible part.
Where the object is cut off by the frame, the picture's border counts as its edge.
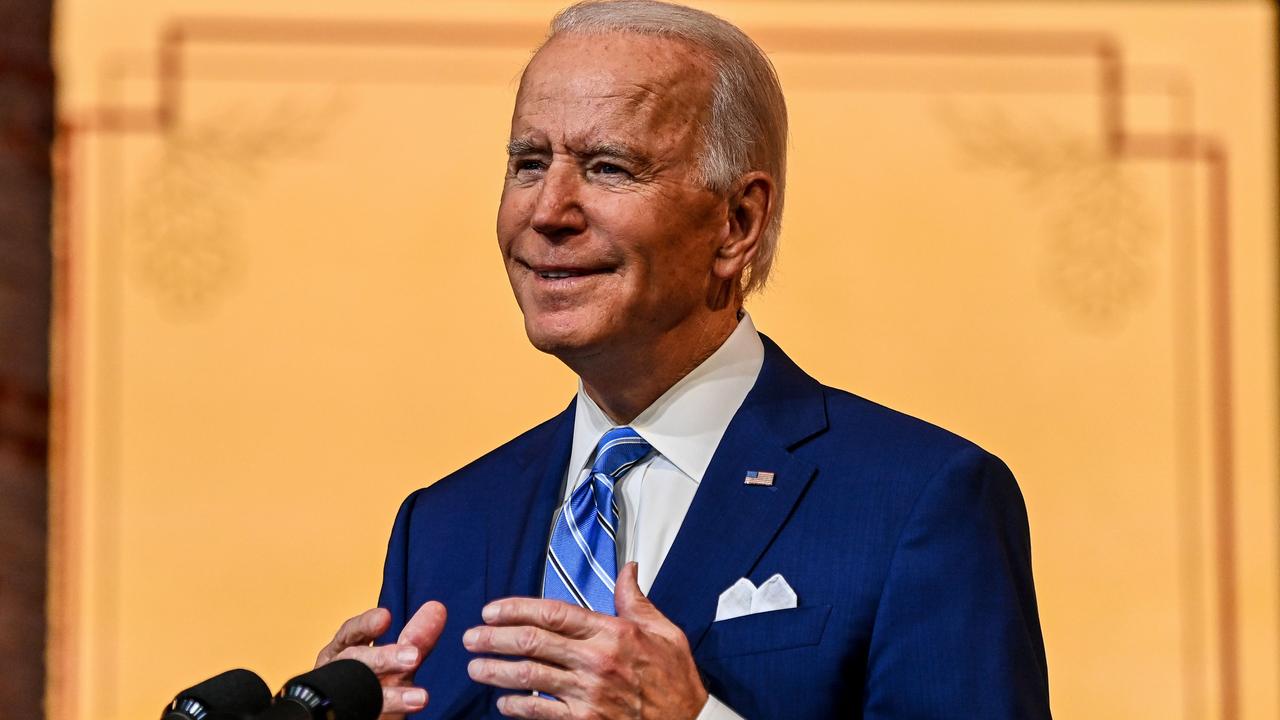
(489, 613)
(416, 698)
(407, 655)
(469, 637)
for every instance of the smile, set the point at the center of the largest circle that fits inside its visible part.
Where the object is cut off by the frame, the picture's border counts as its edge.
(561, 274)
(557, 272)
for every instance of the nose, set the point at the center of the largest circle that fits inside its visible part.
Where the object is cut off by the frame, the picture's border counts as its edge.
(558, 212)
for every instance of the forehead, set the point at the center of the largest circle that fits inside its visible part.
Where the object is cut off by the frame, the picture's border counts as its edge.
(579, 82)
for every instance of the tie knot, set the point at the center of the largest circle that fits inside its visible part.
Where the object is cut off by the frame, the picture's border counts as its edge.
(618, 450)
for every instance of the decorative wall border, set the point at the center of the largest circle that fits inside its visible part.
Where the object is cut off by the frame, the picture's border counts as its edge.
(1120, 141)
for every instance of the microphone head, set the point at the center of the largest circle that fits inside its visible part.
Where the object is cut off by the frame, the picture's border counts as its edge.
(348, 688)
(233, 694)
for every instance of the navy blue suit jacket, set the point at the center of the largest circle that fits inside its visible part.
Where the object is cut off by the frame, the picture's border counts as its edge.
(907, 546)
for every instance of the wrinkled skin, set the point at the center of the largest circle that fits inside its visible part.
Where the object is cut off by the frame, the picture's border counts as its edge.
(393, 664)
(624, 264)
(597, 667)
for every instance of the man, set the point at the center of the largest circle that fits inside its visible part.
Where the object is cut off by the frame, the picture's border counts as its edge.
(641, 204)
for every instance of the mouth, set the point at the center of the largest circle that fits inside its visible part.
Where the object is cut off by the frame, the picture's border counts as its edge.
(562, 272)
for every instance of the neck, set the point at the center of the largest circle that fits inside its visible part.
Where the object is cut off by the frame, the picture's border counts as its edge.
(625, 382)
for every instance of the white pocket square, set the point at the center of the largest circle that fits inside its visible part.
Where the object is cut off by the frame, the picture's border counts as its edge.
(744, 598)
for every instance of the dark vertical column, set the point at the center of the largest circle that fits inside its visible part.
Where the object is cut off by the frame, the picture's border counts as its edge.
(26, 121)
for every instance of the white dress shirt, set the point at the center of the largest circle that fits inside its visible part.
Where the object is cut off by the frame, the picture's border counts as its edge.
(684, 426)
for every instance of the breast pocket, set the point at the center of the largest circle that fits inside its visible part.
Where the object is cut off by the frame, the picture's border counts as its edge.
(765, 632)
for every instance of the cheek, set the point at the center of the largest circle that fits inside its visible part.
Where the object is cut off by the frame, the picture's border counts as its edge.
(512, 211)
(681, 256)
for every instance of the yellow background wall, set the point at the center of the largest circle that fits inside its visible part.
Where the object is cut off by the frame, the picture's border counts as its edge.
(281, 309)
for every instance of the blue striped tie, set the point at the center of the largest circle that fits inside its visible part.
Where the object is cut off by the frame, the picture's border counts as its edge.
(582, 558)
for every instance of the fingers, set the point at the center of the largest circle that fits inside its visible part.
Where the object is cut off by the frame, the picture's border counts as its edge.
(397, 700)
(529, 706)
(519, 675)
(385, 660)
(558, 617)
(393, 664)
(359, 630)
(522, 641)
(424, 628)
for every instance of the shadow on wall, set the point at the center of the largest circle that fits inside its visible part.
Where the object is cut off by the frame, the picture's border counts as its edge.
(26, 131)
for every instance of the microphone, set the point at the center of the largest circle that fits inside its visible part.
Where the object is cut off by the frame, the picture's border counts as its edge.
(233, 695)
(341, 690)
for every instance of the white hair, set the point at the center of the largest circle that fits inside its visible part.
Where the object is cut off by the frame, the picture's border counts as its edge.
(746, 128)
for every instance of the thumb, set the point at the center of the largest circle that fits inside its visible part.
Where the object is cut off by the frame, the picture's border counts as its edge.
(424, 628)
(627, 598)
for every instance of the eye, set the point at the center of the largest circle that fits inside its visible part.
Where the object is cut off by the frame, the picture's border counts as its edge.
(606, 168)
(525, 168)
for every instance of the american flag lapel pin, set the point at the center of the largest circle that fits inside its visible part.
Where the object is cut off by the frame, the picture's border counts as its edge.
(759, 477)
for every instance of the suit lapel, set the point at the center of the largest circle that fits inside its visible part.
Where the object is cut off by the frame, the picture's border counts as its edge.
(520, 522)
(728, 519)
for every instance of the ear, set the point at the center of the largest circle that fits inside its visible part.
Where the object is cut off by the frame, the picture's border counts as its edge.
(750, 206)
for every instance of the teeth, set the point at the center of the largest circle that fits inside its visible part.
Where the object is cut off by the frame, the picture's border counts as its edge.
(556, 274)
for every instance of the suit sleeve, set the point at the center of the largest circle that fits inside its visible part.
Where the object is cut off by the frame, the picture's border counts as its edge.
(394, 594)
(957, 634)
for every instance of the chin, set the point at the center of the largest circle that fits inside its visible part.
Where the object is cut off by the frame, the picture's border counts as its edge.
(561, 336)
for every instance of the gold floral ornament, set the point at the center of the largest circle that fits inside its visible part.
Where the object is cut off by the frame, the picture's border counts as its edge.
(1101, 236)
(185, 237)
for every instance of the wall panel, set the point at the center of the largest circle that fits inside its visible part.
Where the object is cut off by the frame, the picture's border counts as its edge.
(1048, 226)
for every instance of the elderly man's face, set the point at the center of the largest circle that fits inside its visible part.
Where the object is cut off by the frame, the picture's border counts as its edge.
(607, 232)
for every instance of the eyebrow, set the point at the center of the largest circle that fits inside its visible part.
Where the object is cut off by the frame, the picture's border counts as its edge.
(610, 149)
(526, 146)
(522, 146)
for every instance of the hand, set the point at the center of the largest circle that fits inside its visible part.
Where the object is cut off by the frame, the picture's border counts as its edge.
(636, 665)
(393, 664)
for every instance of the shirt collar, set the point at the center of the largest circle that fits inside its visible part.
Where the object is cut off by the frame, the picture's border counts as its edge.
(685, 424)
